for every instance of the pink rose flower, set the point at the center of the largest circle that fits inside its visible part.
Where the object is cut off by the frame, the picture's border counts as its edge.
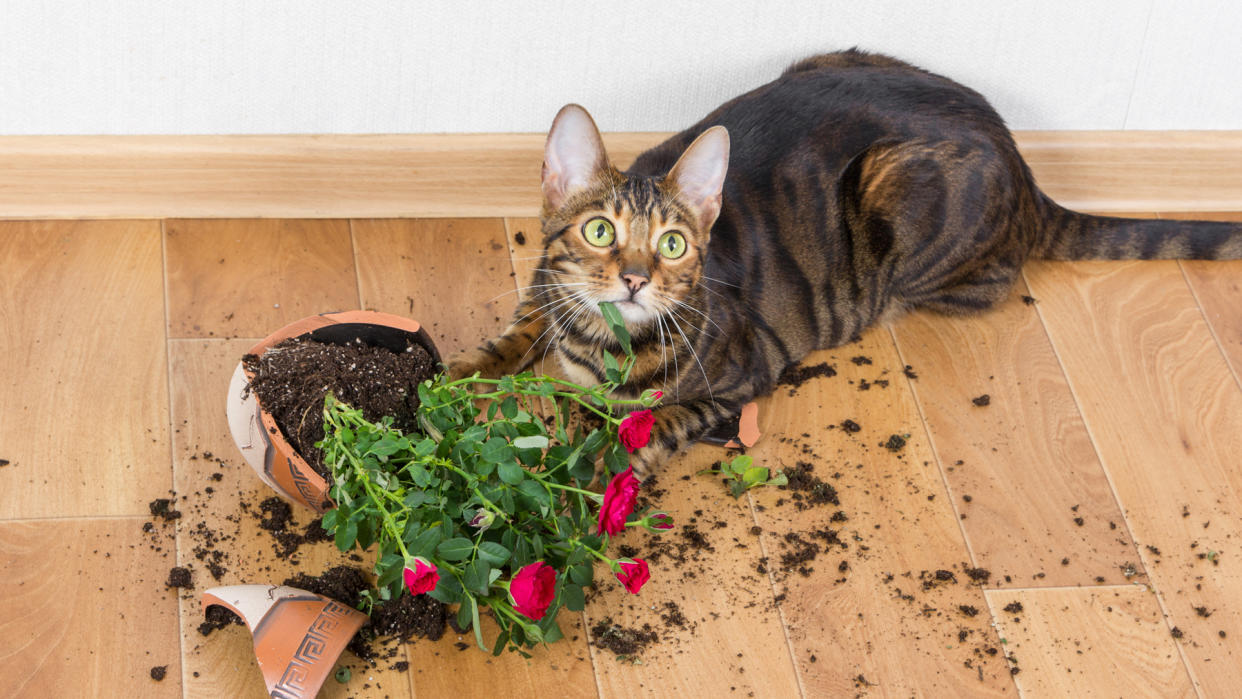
(619, 499)
(422, 577)
(533, 589)
(634, 575)
(635, 430)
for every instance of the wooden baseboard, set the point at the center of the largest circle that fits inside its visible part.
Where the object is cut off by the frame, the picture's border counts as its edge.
(432, 175)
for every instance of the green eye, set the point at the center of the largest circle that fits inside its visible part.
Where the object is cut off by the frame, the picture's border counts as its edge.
(599, 232)
(672, 245)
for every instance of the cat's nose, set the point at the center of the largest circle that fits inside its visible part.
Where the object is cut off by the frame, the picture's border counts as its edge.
(634, 281)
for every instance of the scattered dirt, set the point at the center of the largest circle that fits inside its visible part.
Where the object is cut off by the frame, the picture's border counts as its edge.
(180, 577)
(162, 508)
(809, 489)
(850, 426)
(895, 443)
(623, 641)
(982, 401)
(796, 375)
(159, 672)
(4, 462)
(1030, 300)
(1014, 607)
(292, 378)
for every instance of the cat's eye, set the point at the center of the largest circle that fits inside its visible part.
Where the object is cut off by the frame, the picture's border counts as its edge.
(599, 232)
(672, 245)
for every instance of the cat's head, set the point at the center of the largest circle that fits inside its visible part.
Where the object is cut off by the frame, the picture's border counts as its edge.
(639, 242)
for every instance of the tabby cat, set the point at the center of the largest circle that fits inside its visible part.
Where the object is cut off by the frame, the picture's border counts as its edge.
(790, 219)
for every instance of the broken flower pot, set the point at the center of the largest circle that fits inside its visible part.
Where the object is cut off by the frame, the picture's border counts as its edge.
(254, 430)
(298, 635)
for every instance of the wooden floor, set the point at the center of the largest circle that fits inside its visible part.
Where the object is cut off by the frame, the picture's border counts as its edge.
(1101, 487)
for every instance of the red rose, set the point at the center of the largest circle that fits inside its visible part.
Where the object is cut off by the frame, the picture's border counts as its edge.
(422, 577)
(635, 430)
(533, 589)
(634, 575)
(619, 499)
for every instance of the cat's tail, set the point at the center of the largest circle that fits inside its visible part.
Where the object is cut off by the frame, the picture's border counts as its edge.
(1069, 235)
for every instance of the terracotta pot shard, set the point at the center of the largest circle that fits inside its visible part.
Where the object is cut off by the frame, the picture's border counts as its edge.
(261, 442)
(298, 635)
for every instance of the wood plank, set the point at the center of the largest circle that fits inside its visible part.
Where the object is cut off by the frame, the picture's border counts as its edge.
(1218, 288)
(454, 175)
(1022, 468)
(1107, 642)
(881, 623)
(86, 610)
(248, 277)
(82, 369)
(223, 663)
(733, 642)
(461, 293)
(1163, 411)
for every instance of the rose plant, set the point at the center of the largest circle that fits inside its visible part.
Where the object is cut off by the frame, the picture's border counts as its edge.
(485, 505)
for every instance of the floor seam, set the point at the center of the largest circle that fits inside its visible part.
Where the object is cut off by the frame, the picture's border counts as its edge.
(1220, 346)
(353, 249)
(172, 454)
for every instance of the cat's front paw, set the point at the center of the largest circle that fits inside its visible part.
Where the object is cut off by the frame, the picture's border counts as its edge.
(468, 363)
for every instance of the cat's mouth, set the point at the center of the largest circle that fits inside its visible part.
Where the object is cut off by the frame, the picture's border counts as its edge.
(632, 310)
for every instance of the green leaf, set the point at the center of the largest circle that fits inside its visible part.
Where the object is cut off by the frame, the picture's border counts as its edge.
(425, 542)
(755, 475)
(501, 640)
(617, 458)
(737, 488)
(455, 549)
(551, 630)
(346, 535)
(535, 441)
(425, 448)
(741, 463)
(496, 450)
(385, 447)
(778, 479)
(510, 472)
(574, 600)
(617, 325)
(464, 617)
(448, 590)
(493, 553)
(582, 574)
(509, 407)
(475, 577)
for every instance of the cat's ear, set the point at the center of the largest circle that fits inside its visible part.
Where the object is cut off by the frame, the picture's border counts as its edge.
(574, 156)
(699, 174)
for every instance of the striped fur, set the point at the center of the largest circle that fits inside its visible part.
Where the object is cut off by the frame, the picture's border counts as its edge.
(858, 186)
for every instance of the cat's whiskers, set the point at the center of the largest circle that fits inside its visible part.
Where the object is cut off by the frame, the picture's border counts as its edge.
(692, 308)
(549, 306)
(676, 366)
(576, 299)
(673, 316)
(660, 327)
(568, 319)
(520, 289)
(721, 281)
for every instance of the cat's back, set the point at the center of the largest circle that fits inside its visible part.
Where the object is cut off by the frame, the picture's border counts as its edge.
(833, 106)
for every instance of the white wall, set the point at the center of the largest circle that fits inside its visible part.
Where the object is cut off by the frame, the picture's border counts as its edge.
(392, 66)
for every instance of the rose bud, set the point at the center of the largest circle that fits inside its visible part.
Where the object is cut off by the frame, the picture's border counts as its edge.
(619, 499)
(533, 589)
(634, 574)
(635, 430)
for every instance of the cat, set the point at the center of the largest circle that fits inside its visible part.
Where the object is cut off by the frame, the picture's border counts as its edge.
(790, 219)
